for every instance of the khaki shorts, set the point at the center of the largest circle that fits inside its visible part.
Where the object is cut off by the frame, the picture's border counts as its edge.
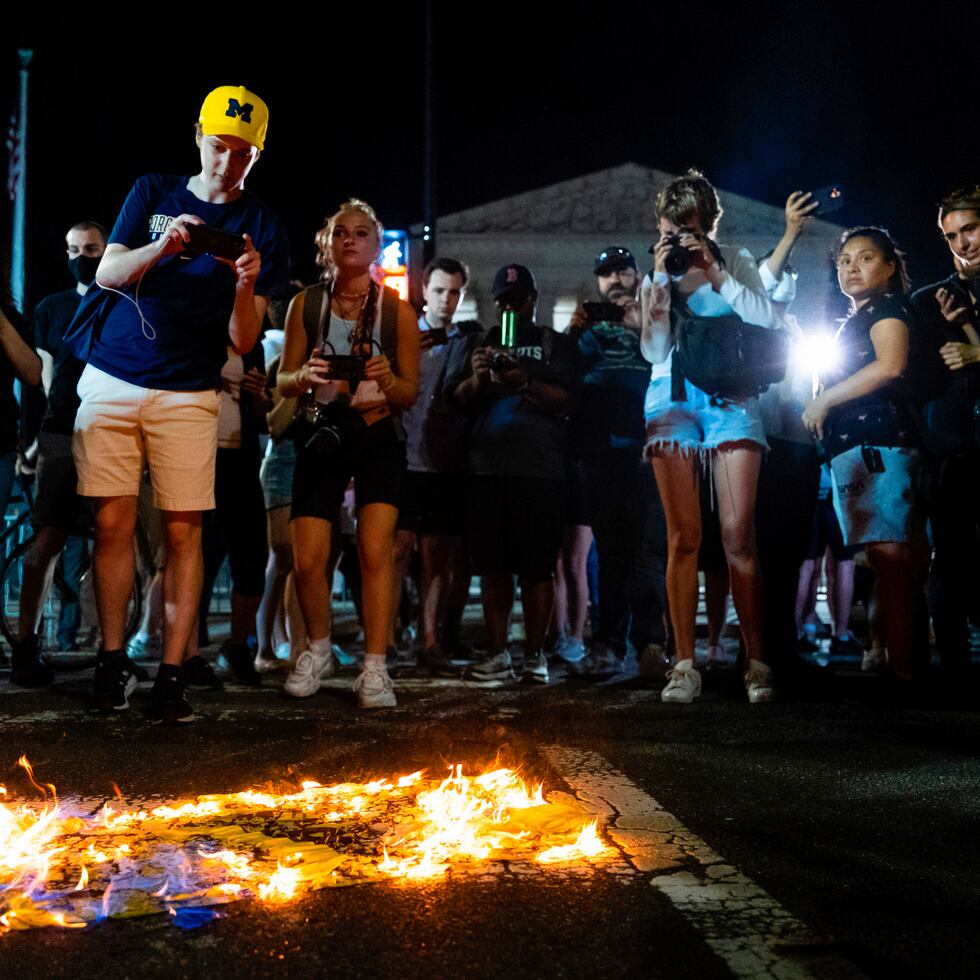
(121, 428)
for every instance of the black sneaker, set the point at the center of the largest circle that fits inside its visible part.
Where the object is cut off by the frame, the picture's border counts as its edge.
(28, 666)
(114, 681)
(198, 675)
(168, 705)
(238, 660)
(436, 663)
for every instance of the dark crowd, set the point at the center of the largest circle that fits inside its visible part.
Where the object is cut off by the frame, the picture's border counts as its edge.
(190, 404)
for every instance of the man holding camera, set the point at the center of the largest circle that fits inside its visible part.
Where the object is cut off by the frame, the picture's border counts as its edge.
(621, 495)
(517, 383)
(188, 270)
(949, 320)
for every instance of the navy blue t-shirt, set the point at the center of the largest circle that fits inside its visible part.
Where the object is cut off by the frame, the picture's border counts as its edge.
(186, 300)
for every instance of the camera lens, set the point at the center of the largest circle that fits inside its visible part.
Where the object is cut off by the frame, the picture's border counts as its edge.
(678, 260)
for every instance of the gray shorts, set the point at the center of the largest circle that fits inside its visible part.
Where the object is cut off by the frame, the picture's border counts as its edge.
(875, 506)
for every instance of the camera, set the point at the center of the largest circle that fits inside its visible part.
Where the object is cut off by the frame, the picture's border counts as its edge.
(335, 426)
(679, 258)
(345, 367)
(604, 312)
(501, 361)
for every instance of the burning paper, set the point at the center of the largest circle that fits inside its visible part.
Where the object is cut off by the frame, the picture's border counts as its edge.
(66, 868)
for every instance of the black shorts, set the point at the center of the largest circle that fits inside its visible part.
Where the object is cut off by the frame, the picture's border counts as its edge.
(433, 503)
(826, 533)
(515, 525)
(238, 519)
(374, 457)
(56, 500)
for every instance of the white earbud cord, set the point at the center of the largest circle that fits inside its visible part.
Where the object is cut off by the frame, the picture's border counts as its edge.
(148, 329)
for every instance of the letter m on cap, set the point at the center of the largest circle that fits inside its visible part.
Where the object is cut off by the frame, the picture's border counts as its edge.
(235, 108)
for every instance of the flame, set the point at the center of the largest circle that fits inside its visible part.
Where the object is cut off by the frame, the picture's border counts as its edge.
(60, 867)
(281, 885)
(588, 844)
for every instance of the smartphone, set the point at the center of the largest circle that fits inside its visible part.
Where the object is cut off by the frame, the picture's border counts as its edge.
(828, 198)
(214, 241)
(604, 312)
(439, 336)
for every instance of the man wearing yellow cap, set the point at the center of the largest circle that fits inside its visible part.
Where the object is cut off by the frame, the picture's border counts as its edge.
(168, 309)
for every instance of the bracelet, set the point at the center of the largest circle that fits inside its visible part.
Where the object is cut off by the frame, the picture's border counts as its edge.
(389, 386)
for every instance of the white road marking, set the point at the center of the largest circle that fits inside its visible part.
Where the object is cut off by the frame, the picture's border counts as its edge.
(741, 923)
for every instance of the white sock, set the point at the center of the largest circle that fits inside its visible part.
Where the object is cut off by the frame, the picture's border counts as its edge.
(684, 665)
(375, 661)
(320, 648)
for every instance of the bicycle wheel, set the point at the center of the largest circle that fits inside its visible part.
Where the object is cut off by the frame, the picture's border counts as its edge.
(56, 593)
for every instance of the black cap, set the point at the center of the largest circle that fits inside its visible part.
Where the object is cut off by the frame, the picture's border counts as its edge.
(613, 258)
(515, 280)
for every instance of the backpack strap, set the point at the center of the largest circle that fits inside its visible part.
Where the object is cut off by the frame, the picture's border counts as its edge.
(389, 325)
(678, 313)
(316, 315)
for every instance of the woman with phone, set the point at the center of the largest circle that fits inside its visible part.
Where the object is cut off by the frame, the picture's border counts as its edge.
(351, 352)
(703, 434)
(870, 435)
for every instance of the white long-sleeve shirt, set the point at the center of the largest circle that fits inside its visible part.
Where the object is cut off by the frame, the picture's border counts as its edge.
(741, 292)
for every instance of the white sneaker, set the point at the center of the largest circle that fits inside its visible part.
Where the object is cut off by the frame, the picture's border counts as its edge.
(535, 669)
(374, 688)
(304, 677)
(498, 668)
(571, 650)
(758, 682)
(683, 684)
(873, 660)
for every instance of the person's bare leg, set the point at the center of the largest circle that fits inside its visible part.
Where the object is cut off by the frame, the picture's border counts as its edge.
(375, 548)
(901, 603)
(457, 595)
(403, 546)
(278, 566)
(808, 571)
(843, 597)
(293, 615)
(497, 593)
(36, 571)
(435, 555)
(558, 624)
(736, 481)
(182, 579)
(677, 479)
(578, 541)
(114, 564)
(716, 587)
(536, 599)
(311, 552)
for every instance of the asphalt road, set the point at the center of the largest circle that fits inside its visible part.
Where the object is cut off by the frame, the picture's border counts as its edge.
(830, 839)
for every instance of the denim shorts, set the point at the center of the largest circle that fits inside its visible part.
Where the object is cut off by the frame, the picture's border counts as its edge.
(276, 474)
(697, 425)
(875, 506)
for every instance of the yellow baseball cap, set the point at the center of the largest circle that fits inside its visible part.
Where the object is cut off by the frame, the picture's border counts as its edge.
(232, 110)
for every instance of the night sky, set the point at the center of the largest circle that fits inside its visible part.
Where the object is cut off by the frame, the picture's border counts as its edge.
(769, 99)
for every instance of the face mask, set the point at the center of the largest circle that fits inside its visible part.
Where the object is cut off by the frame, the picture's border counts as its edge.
(83, 268)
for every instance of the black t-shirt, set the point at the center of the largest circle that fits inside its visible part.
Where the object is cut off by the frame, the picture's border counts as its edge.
(881, 418)
(614, 386)
(9, 409)
(945, 399)
(510, 435)
(51, 319)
